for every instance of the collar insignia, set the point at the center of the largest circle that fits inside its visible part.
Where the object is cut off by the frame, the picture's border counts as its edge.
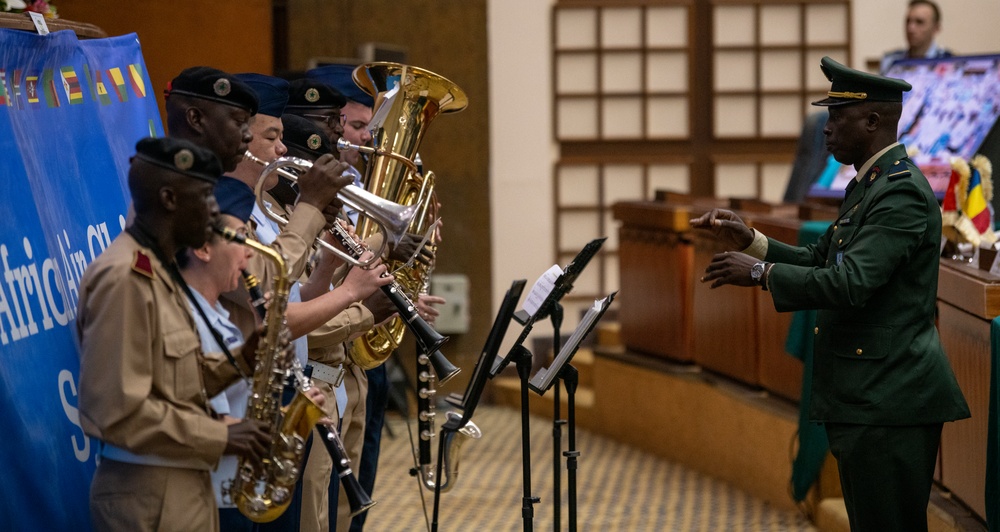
(142, 265)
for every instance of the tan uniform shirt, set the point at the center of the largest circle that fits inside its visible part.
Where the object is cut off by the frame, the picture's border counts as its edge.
(143, 379)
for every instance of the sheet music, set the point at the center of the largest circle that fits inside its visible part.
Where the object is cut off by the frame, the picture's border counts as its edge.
(543, 379)
(541, 289)
(383, 109)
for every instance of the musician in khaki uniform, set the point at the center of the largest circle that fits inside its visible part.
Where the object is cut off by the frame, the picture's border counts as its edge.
(144, 380)
(306, 139)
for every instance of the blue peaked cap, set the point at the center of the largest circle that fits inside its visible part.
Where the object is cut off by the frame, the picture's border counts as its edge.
(234, 197)
(271, 91)
(341, 78)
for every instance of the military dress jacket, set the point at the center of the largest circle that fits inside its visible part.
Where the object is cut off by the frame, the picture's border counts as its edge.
(873, 279)
(143, 377)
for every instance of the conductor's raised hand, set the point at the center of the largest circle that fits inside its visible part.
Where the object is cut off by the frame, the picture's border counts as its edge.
(726, 226)
(320, 185)
(730, 268)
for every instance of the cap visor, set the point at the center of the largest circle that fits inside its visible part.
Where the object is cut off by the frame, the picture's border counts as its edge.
(834, 102)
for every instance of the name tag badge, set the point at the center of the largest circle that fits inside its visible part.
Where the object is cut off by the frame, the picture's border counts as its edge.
(845, 221)
(840, 257)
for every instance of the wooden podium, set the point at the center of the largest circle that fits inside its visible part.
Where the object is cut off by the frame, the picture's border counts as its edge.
(968, 300)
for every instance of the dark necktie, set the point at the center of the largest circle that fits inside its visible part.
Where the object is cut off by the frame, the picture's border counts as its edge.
(850, 187)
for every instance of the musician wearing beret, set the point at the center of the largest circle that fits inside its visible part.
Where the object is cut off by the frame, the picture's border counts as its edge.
(881, 382)
(320, 103)
(144, 378)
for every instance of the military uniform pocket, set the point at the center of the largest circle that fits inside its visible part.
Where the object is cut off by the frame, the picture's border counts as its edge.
(181, 365)
(851, 361)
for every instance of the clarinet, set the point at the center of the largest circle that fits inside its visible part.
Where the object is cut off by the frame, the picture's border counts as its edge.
(257, 300)
(430, 339)
(356, 495)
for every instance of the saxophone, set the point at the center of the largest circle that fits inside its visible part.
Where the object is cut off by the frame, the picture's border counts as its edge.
(262, 491)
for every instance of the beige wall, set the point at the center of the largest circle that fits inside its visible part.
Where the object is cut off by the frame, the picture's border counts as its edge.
(521, 144)
(968, 27)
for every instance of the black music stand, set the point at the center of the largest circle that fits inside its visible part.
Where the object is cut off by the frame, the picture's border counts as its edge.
(562, 368)
(473, 391)
(549, 307)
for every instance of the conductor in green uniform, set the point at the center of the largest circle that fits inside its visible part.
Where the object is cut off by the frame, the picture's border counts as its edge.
(881, 382)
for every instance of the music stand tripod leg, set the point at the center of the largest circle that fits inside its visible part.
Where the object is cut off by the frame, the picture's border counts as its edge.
(523, 363)
(571, 377)
(556, 316)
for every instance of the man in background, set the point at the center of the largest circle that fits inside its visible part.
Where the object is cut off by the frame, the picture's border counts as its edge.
(923, 22)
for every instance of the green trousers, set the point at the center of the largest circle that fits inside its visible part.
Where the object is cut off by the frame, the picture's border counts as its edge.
(886, 474)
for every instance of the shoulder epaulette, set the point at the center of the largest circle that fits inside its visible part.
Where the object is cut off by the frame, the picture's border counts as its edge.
(899, 170)
(142, 265)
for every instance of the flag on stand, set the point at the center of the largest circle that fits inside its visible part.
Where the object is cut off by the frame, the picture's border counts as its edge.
(977, 200)
(955, 224)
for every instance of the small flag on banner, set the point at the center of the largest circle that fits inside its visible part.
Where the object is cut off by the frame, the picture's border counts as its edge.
(15, 93)
(90, 81)
(102, 90)
(31, 88)
(118, 83)
(71, 84)
(135, 76)
(4, 99)
(49, 87)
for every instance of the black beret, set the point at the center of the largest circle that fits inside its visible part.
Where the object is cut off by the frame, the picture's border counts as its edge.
(341, 78)
(234, 197)
(181, 156)
(272, 92)
(213, 84)
(305, 135)
(312, 94)
(854, 86)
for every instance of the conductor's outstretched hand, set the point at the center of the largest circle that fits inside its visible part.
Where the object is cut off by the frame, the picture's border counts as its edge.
(727, 227)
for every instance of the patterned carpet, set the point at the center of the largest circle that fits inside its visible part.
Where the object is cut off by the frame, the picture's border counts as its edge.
(619, 487)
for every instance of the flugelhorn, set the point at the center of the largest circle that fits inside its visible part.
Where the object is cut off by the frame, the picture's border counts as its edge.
(391, 218)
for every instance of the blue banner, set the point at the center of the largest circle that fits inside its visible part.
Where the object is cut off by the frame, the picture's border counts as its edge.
(71, 112)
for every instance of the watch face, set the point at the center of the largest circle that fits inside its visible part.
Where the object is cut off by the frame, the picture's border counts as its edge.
(756, 271)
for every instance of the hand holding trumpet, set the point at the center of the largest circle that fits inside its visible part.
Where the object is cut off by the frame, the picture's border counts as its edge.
(321, 183)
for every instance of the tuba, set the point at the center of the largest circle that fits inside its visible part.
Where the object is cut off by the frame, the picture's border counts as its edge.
(407, 99)
(262, 491)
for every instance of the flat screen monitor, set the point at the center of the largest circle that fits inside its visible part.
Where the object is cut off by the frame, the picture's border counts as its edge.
(953, 106)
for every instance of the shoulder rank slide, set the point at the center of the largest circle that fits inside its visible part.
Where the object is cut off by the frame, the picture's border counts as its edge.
(899, 170)
(142, 265)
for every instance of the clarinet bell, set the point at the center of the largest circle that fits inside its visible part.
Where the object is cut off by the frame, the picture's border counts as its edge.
(359, 500)
(443, 368)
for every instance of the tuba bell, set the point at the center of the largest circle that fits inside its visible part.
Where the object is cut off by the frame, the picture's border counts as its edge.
(407, 99)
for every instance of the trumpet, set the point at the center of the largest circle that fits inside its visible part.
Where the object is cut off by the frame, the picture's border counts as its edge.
(391, 218)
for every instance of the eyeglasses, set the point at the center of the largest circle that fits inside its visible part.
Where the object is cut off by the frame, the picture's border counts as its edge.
(328, 119)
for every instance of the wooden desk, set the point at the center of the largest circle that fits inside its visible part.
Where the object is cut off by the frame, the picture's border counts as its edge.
(655, 250)
(968, 300)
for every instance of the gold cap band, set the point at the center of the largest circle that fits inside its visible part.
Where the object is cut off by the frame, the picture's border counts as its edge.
(851, 95)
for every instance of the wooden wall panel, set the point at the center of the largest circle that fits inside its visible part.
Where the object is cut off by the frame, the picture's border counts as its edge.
(966, 340)
(656, 310)
(233, 35)
(447, 37)
(725, 332)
